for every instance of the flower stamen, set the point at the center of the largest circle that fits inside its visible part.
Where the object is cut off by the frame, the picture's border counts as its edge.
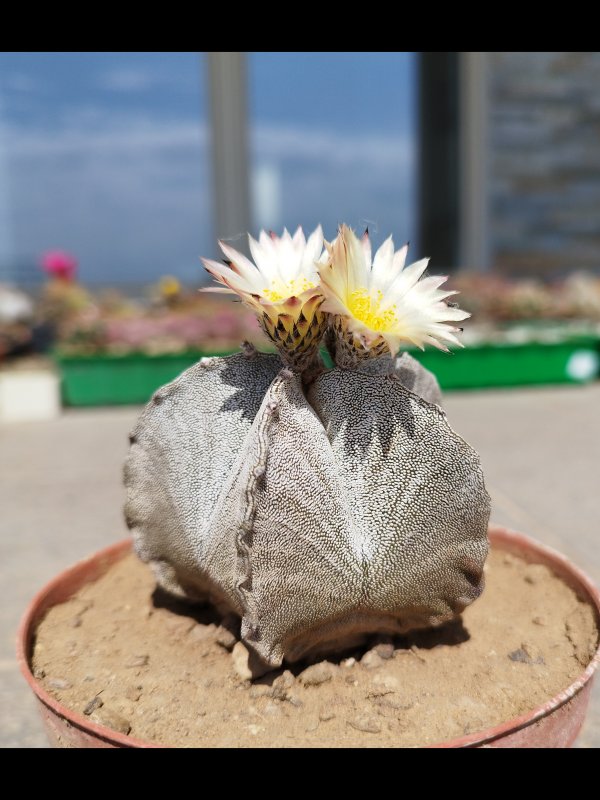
(279, 291)
(367, 309)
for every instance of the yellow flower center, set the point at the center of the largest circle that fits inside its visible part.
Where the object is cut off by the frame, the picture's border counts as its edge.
(367, 309)
(280, 291)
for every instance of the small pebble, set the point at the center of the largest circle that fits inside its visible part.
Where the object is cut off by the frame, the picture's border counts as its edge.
(95, 703)
(133, 693)
(282, 684)
(138, 661)
(392, 701)
(294, 700)
(225, 638)
(365, 723)
(384, 684)
(371, 660)
(39, 673)
(316, 674)
(260, 690)
(255, 729)
(526, 654)
(312, 725)
(272, 709)
(246, 663)
(519, 655)
(325, 716)
(59, 683)
(385, 651)
(539, 621)
(76, 622)
(348, 663)
(112, 719)
(240, 658)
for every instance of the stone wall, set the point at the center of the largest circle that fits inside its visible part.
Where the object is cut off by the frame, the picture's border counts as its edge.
(545, 162)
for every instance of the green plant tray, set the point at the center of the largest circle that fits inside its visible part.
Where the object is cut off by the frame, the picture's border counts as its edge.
(131, 379)
(100, 380)
(575, 360)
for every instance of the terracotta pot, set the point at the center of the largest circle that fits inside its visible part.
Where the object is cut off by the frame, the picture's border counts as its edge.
(554, 724)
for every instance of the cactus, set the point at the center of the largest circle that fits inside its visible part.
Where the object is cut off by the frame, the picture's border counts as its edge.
(319, 505)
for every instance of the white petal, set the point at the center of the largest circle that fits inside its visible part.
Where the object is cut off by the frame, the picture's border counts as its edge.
(264, 258)
(431, 283)
(383, 271)
(333, 280)
(242, 265)
(454, 314)
(333, 305)
(217, 290)
(298, 237)
(400, 257)
(407, 279)
(289, 259)
(312, 251)
(223, 273)
(436, 343)
(270, 246)
(358, 268)
(265, 240)
(366, 243)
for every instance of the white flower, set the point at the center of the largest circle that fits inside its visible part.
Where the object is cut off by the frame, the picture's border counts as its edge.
(379, 305)
(281, 286)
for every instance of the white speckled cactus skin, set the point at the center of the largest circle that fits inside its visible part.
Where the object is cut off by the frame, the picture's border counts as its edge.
(317, 515)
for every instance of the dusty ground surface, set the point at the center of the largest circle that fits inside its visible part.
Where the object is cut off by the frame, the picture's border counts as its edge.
(61, 498)
(131, 658)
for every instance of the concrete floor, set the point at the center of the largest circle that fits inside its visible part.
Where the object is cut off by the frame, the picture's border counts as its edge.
(61, 498)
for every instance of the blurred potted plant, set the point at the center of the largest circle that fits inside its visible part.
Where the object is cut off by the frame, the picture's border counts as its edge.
(121, 351)
(313, 509)
(526, 332)
(63, 298)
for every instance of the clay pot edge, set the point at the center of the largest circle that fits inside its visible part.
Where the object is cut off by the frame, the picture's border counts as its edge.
(509, 540)
(518, 543)
(102, 559)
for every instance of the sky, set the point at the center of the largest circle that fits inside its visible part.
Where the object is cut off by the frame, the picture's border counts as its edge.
(106, 155)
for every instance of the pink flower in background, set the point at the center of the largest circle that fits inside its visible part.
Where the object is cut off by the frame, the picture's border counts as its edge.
(59, 264)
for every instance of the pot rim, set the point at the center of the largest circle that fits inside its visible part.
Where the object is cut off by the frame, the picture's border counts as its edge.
(25, 631)
(578, 580)
(506, 538)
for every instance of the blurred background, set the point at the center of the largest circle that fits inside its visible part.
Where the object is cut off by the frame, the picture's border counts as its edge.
(119, 170)
(131, 165)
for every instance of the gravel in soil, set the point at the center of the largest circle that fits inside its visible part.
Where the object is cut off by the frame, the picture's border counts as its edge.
(129, 657)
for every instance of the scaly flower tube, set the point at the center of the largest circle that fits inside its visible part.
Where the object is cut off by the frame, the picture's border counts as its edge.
(281, 287)
(377, 304)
